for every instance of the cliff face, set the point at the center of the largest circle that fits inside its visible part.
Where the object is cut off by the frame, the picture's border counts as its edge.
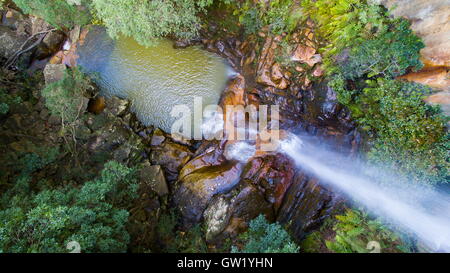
(430, 20)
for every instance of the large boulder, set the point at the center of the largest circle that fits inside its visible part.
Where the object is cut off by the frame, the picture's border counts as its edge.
(306, 205)
(171, 156)
(54, 73)
(10, 42)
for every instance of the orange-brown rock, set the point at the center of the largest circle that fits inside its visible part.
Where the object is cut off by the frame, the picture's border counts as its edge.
(306, 54)
(268, 72)
(97, 105)
(438, 77)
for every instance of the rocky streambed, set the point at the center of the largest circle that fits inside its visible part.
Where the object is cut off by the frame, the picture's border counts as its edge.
(196, 177)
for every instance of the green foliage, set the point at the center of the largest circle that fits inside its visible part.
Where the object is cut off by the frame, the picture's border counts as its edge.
(65, 97)
(409, 134)
(389, 55)
(344, 23)
(59, 13)
(263, 237)
(146, 21)
(280, 15)
(354, 230)
(6, 100)
(176, 241)
(94, 215)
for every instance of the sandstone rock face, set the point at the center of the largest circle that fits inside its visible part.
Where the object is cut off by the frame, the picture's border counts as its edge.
(443, 99)
(268, 72)
(431, 21)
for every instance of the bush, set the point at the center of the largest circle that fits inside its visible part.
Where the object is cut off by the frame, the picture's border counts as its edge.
(263, 237)
(94, 215)
(176, 241)
(6, 100)
(346, 23)
(65, 98)
(354, 230)
(408, 134)
(280, 15)
(59, 13)
(147, 21)
(389, 55)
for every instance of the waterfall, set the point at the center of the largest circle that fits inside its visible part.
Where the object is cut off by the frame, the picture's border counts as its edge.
(414, 208)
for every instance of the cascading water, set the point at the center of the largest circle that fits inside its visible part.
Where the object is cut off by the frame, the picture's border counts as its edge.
(417, 209)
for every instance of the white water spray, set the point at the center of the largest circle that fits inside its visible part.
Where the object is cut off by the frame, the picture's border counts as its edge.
(417, 209)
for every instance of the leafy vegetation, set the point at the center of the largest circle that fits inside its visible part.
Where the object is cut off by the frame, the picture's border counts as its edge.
(355, 230)
(177, 241)
(279, 15)
(65, 98)
(146, 21)
(59, 13)
(94, 215)
(364, 50)
(6, 100)
(263, 237)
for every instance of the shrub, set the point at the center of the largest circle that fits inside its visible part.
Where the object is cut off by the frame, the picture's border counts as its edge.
(408, 134)
(344, 23)
(176, 241)
(354, 230)
(94, 215)
(389, 55)
(147, 21)
(59, 13)
(6, 100)
(66, 97)
(263, 237)
(280, 15)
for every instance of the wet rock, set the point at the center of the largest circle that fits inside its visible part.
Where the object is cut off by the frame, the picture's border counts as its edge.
(230, 214)
(172, 157)
(306, 205)
(97, 105)
(116, 106)
(158, 137)
(234, 93)
(196, 189)
(54, 73)
(51, 44)
(153, 178)
(272, 174)
(268, 72)
(216, 217)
